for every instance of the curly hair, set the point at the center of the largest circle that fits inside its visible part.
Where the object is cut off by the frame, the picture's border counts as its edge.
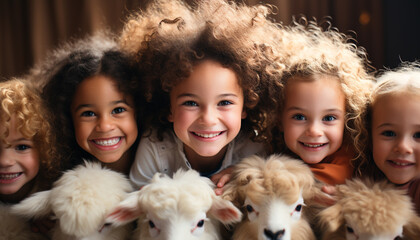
(325, 51)
(403, 80)
(20, 99)
(170, 38)
(74, 62)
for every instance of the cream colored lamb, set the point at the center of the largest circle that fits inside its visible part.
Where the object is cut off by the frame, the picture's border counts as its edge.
(184, 207)
(367, 211)
(271, 193)
(80, 200)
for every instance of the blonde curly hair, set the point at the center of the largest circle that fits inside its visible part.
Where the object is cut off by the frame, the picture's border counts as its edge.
(169, 38)
(20, 99)
(325, 51)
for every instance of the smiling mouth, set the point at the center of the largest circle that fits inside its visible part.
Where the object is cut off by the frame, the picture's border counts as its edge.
(403, 164)
(313, 145)
(208, 135)
(107, 142)
(9, 176)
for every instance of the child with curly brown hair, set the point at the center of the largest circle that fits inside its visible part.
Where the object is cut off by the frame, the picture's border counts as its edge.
(207, 66)
(92, 92)
(27, 152)
(325, 89)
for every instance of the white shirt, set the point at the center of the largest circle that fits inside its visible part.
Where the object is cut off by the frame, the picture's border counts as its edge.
(168, 156)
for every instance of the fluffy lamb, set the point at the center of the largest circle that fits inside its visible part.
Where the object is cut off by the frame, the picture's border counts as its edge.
(180, 208)
(366, 210)
(271, 193)
(80, 200)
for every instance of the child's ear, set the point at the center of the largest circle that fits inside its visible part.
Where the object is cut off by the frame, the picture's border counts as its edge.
(243, 115)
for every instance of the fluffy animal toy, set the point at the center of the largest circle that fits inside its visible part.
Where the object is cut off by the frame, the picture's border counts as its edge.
(80, 200)
(180, 208)
(271, 193)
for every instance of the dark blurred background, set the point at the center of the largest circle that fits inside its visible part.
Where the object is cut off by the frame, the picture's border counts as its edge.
(29, 29)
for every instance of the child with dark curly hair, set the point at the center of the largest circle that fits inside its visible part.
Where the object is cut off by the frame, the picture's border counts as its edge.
(207, 65)
(27, 152)
(92, 90)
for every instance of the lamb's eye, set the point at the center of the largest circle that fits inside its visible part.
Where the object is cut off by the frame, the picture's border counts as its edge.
(349, 229)
(298, 208)
(151, 224)
(200, 223)
(249, 208)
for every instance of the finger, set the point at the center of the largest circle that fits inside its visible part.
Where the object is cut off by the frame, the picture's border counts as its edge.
(218, 191)
(223, 180)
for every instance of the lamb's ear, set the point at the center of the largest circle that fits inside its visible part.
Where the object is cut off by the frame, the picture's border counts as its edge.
(126, 211)
(225, 211)
(36, 206)
(331, 217)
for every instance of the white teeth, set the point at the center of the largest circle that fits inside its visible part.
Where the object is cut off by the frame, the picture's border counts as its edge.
(400, 163)
(313, 146)
(208, 135)
(109, 142)
(9, 176)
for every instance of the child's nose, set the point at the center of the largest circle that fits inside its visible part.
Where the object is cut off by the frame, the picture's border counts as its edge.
(209, 116)
(314, 129)
(6, 160)
(104, 124)
(404, 146)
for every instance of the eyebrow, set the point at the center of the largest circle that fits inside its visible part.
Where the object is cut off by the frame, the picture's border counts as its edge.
(194, 95)
(91, 105)
(302, 109)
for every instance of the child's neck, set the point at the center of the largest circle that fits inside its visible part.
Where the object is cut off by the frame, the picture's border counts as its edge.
(204, 164)
(123, 165)
(21, 194)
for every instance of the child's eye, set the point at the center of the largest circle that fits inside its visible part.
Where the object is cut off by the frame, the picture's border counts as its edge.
(87, 114)
(417, 135)
(22, 147)
(118, 110)
(388, 134)
(329, 118)
(299, 117)
(224, 103)
(190, 103)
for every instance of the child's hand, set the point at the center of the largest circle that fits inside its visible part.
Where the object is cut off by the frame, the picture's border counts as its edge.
(328, 196)
(220, 179)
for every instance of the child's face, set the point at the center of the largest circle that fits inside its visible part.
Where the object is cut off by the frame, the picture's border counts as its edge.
(207, 109)
(104, 121)
(313, 117)
(19, 162)
(396, 137)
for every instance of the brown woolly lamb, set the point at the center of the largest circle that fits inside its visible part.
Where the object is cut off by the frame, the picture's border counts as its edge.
(367, 210)
(271, 193)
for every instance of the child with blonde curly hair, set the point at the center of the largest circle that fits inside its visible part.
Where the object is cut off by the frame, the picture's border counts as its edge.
(394, 122)
(207, 66)
(324, 92)
(27, 152)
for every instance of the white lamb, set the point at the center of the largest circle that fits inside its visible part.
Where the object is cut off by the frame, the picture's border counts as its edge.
(368, 211)
(271, 192)
(182, 208)
(15, 227)
(80, 200)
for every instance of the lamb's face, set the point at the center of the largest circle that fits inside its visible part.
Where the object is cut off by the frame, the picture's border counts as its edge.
(174, 226)
(274, 217)
(355, 233)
